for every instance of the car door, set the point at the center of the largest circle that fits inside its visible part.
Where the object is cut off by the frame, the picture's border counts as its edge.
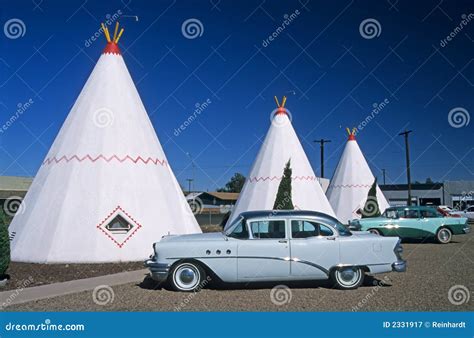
(314, 249)
(266, 255)
(411, 224)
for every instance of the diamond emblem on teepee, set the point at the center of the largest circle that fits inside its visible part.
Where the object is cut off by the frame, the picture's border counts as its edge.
(119, 226)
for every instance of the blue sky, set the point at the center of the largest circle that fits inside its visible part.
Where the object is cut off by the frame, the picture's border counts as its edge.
(331, 74)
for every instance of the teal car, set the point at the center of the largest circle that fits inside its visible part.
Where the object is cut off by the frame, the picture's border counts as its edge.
(413, 222)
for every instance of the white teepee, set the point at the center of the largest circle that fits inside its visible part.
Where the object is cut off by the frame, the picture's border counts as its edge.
(105, 191)
(280, 145)
(350, 185)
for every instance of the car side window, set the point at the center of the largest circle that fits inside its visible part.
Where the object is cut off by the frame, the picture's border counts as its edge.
(410, 213)
(428, 214)
(304, 229)
(325, 230)
(268, 229)
(240, 232)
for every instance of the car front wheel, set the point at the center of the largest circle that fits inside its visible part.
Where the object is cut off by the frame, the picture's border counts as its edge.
(346, 278)
(444, 235)
(187, 277)
(375, 231)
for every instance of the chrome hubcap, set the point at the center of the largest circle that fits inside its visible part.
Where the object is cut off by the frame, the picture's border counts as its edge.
(444, 235)
(348, 276)
(186, 276)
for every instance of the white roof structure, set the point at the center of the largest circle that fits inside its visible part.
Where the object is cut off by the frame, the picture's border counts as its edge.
(350, 185)
(280, 145)
(105, 191)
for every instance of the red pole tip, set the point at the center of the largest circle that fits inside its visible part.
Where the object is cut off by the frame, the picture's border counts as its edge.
(111, 48)
(352, 137)
(281, 110)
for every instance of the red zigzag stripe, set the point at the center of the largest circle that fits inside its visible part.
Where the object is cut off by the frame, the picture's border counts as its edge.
(350, 186)
(55, 160)
(278, 178)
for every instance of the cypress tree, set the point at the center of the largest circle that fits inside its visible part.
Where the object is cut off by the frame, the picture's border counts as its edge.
(371, 207)
(283, 199)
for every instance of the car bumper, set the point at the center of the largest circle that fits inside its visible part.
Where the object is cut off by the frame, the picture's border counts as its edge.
(466, 229)
(158, 271)
(399, 266)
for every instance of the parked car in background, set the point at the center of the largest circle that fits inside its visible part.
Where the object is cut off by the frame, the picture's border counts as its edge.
(413, 222)
(275, 246)
(468, 212)
(446, 213)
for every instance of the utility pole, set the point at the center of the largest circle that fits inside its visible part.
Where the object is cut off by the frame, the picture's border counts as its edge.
(193, 166)
(407, 155)
(321, 143)
(190, 180)
(383, 173)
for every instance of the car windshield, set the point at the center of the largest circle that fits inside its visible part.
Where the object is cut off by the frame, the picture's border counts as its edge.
(342, 229)
(236, 223)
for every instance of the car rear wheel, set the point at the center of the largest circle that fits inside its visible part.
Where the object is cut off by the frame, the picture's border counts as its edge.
(375, 231)
(187, 277)
(444, 235)
(348, 277)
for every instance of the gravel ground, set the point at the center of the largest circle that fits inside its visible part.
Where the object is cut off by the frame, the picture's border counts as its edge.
(25, 275)
(433, 269)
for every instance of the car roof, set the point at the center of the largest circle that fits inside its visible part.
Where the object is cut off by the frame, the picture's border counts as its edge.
(413, 207)
(285, 213)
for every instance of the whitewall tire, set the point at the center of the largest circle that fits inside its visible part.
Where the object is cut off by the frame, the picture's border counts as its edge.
(444, 235)
(187, 277)
(347, 277)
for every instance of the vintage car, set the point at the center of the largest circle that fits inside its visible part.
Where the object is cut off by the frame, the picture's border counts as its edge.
(413, 222)
(274, 246)
(468, 212)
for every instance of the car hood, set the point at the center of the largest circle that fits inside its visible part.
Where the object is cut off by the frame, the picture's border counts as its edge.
(372, 219)
(210, 236)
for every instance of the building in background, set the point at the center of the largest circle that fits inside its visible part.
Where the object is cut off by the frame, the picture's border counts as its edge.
(12, 190)
(458, 194)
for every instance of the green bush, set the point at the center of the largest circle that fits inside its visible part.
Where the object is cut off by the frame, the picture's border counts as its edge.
(4, 244)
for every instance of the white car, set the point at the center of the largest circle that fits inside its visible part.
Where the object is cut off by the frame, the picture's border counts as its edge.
(275, 246)
(468, 212)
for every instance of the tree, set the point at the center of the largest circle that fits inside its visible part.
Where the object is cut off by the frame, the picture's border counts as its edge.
(4, 244)
(429, 181)
(235, 184)
(283, 199)
(371, 207)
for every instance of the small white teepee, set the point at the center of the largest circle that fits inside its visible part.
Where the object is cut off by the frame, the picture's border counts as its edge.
(350, 185)
(105, 191)
(280, 145)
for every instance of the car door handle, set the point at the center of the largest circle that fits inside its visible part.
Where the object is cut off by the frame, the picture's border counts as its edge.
(282, 241)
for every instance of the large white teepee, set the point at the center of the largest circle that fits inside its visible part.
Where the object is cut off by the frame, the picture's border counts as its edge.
(280, 145)
(350, 185)
(105, 191)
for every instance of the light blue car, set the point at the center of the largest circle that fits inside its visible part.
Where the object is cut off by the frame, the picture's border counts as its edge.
(275, 246)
